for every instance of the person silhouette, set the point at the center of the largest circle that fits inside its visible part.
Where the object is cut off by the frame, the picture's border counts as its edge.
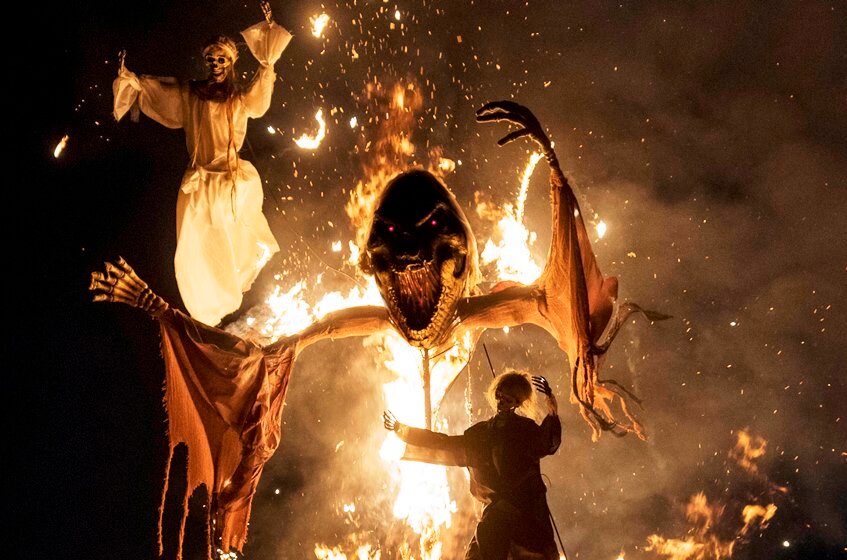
(503, 456)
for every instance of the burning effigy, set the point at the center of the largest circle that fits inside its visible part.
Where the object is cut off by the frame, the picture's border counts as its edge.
(223, 239)
(225, 394)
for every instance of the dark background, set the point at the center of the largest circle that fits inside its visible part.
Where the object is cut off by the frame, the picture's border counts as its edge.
(709, 136)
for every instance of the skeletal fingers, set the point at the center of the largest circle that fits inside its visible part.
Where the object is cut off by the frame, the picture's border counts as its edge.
(514, 113)
(120, 284)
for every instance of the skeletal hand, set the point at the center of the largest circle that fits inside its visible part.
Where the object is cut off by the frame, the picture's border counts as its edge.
(121, 284)
(390, 421)
(121, 60)
(266, 10)
(543, 386)
(514, 113)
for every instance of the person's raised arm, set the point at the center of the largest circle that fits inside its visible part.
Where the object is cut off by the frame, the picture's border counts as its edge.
(420, 436)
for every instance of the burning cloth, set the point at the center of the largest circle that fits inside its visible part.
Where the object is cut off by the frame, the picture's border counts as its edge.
(223, 239)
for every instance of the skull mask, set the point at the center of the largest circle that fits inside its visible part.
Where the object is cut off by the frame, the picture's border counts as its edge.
(422, 254)
(219, 55)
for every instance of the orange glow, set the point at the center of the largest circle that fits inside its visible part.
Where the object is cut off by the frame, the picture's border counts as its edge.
(319, 24)
(60, 147)
(512, 255)
(312, 142)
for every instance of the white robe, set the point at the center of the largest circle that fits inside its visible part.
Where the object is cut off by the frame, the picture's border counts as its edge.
(223, 239)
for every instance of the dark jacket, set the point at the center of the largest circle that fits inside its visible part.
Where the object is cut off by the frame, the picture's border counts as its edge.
(502, 454)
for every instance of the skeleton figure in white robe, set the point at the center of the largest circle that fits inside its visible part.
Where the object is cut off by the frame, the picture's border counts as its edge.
(223, 239)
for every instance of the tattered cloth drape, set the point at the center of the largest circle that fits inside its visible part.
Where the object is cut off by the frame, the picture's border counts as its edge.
(224, 398)
(223, 239)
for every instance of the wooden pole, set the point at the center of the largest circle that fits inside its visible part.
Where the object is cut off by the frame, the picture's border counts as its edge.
(427, 389)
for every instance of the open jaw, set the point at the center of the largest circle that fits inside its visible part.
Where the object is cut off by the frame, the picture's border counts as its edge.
(422, 298)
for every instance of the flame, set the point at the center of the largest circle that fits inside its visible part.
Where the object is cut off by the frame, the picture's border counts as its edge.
(319, 24)
(446, 165)
(704, 541)
(601, 229)
(747, 450)
(512, 256)
(423, 500)
(312, 142)
(390, 153)
(757, 516)
(363, 552)
(60, 147)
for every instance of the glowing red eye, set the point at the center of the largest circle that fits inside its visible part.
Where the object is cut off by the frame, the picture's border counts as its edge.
(391, 228)
(433, 223)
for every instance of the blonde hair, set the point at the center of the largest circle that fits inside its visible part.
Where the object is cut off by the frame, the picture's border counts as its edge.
(517, 384)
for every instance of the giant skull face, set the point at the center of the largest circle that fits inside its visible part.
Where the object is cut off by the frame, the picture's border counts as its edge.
(421, 252)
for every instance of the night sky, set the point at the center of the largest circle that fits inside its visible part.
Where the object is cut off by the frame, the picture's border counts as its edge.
(710, 137)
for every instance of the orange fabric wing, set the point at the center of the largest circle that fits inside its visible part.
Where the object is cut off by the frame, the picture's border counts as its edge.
(224, 398)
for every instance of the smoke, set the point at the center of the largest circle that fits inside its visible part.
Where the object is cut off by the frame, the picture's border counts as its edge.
(709, 137)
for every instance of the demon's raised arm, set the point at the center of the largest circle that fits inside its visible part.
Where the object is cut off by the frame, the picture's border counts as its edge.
(571, 299)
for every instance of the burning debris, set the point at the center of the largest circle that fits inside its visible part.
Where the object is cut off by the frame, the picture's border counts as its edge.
(558, 301)
(717, 528)
(313, 142)
(319, 23)
(60, 147)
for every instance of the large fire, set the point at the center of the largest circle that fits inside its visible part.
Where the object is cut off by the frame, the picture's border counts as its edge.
(423, 500)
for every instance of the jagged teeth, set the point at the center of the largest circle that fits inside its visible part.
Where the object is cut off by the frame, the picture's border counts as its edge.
(418, 288)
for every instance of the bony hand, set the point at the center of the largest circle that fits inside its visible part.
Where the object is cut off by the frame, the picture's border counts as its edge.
(390, 421)
(542, 385)
(514, 113)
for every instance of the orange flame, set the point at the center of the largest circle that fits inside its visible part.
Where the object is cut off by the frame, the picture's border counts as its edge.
(512, 256)
(312, 142)
(747, 450)
(703, 541)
